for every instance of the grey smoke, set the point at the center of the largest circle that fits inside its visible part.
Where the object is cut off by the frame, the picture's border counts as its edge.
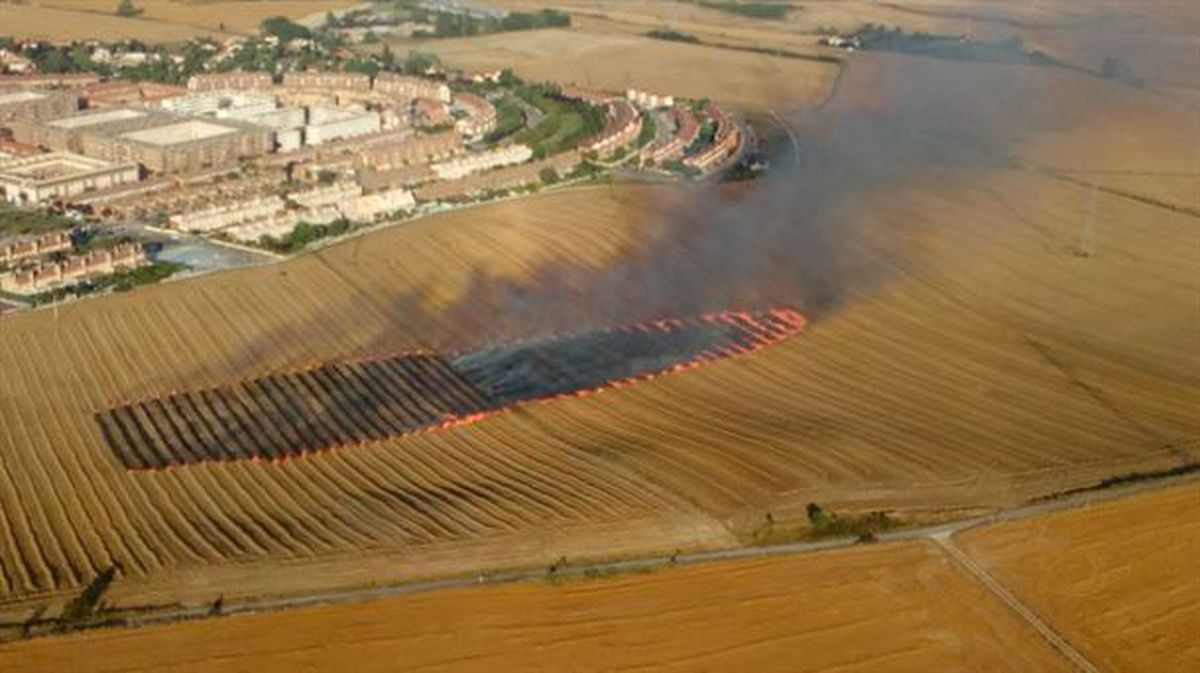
(794, 238)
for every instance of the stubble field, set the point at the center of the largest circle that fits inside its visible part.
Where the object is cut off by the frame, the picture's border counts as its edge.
(616, 62)
(988, 364)
(160, 20)
(893, 607)
(1117, 579)
(929, 389)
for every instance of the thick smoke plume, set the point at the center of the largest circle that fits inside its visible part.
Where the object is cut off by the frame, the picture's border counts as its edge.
(810, 235)
(792, 238)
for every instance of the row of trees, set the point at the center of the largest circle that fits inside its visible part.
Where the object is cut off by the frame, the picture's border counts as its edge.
(456, 24)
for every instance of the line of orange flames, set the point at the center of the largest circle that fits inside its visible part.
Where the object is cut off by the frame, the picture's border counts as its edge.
(787, 323)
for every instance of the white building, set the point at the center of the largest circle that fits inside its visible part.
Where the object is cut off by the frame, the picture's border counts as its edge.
(326, 196)
(482, 161)
(282, 224)
(326, 124)
(287, 122)
(649, 101)
(221, 104)
(60, 176)
(367, 208)
(226, 215)
(407, 86)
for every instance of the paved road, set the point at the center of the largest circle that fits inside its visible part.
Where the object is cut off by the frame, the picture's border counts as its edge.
(533, 116)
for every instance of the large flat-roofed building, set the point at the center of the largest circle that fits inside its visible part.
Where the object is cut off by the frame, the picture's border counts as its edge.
(184, 146)
(286, 123)
(326, 124)
(27, 105)
(60, 177)
(65, 133)
(159, 141)
(220, 104)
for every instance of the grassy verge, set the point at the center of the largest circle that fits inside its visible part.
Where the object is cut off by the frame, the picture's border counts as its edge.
(509, 119)
(823, 525)
(1126, 479)
(775, 11)
(687, 38)
(121, 281)
(566, 124)
(20, 221)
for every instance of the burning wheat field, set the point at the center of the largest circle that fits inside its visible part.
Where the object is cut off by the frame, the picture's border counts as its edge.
(339, 405)
(961, 291)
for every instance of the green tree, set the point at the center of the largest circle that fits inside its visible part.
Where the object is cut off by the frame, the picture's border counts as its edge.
(84, 605)
(548, 175)
(284, 29)
(127, 9)
(52, 61)
(80, 58)
(419, 61)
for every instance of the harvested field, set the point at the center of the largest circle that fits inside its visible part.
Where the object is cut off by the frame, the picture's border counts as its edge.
(987, 363)
(1117, 579)
(887, 608)
(943, 407)
(618, 62)
(51, 23)
(160, 20)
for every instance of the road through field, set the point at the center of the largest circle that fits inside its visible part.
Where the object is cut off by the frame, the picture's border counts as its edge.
(911, 605)
(940, 533)
(945, 541)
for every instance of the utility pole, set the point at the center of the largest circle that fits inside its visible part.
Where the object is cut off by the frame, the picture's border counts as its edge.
(1086, 246)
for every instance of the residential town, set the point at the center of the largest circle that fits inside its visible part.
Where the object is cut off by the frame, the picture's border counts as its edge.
(240, 156)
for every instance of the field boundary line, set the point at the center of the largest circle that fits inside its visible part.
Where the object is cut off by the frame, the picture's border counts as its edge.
(945, 542)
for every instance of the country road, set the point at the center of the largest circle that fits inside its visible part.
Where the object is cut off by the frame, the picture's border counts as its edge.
(993, 585)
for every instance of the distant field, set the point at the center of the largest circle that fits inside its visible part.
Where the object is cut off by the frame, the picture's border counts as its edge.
(617, 62)
(59, 24)
(1118, 579)
(161, 20)
(886, 608)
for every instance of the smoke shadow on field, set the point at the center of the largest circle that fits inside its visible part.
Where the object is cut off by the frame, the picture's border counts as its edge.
(796, 237)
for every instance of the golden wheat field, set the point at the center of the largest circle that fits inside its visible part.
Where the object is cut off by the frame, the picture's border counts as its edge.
(1158, 38)
(929, 391)
(160, 21)
(889, 608)
(987, 364)
(1118, 579)
(615, 61)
